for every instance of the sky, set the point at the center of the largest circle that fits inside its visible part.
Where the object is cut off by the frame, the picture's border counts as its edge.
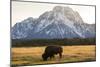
(23, 10)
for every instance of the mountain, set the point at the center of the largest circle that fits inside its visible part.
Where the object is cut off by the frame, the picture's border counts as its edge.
(61, 22)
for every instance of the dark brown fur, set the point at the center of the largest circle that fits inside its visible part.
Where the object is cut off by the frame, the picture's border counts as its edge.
(50, 51)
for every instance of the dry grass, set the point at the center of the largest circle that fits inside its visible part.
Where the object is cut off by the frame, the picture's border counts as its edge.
(32, 55)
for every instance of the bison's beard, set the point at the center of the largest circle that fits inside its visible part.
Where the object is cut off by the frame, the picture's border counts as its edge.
(44, 56)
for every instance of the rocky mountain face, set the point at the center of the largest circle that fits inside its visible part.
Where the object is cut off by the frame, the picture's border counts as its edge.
(61, 22)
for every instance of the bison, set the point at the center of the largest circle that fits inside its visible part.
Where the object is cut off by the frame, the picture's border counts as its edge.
(50, 51)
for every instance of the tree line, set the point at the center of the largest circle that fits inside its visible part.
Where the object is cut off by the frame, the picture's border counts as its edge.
(46, 42)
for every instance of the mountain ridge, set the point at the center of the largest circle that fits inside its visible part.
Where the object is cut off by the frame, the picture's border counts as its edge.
(61, 22)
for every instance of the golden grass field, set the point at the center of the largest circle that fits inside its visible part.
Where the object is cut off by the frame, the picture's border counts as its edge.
(32, 55)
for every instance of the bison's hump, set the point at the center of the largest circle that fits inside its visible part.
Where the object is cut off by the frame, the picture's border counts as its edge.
(53, 49)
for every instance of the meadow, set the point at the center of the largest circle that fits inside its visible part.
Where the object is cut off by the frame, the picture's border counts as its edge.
(32, 55)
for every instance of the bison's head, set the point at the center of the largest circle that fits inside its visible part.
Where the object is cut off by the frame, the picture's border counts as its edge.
(44, 56)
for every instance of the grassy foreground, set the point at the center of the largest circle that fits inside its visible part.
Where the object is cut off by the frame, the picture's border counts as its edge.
(32, 55)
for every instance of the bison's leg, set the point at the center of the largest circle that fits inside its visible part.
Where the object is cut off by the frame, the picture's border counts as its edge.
(60, 55)
(52, 56)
